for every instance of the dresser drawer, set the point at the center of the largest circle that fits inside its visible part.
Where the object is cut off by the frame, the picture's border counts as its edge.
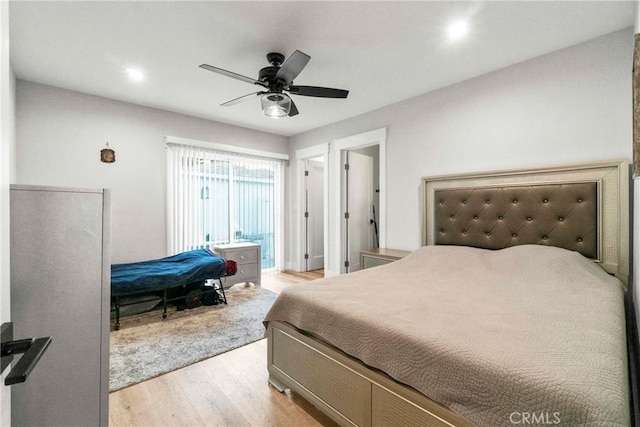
(246, 273)
(245, 256)
(380, 256)
(372, 261)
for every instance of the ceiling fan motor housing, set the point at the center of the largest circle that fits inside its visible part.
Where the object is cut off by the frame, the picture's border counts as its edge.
(268, 76)
(275, 59)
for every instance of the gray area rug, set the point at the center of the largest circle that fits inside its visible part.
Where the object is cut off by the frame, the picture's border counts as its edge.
(147, 346)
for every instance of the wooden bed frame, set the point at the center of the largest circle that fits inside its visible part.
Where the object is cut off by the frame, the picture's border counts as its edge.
(353, 394)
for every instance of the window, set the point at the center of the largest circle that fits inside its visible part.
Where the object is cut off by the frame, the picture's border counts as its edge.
(217, 197)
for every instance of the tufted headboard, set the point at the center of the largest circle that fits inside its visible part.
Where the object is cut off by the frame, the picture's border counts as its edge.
(582, 208)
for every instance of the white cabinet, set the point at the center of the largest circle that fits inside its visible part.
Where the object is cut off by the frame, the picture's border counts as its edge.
(249, 259)
(60, 287)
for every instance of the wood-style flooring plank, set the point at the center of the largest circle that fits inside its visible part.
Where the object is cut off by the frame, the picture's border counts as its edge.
(256, 407)
(210, 403)
(276, 282)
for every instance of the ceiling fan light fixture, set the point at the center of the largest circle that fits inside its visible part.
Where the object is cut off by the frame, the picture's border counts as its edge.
(275, 105)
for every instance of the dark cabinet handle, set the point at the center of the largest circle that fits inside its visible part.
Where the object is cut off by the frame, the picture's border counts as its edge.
(33, 350)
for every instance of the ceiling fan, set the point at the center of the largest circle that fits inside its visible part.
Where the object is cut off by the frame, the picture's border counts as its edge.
(277, 79)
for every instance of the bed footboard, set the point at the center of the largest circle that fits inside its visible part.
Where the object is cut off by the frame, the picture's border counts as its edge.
(343, 388)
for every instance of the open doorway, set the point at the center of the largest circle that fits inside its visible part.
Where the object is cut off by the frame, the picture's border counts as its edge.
(357, 189)
(311, 212)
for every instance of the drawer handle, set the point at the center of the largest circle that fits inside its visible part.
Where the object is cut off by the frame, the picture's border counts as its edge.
(241, 271)
(241, 256)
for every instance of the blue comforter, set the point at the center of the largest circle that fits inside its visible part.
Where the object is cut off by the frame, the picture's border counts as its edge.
(165, 273)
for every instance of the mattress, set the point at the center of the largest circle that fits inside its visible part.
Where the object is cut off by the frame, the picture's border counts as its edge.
(165, 273)
(499, 337)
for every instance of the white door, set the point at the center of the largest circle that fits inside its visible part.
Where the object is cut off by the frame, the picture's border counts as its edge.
(314, 216)
(358, 197)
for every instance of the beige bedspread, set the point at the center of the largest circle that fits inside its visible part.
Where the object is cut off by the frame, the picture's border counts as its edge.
(493, 335)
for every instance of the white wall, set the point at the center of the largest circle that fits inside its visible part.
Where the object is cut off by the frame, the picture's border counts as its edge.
(7, 173)
(569, 106)
(60, 135)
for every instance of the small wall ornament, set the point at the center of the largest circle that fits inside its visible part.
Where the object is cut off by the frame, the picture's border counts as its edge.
(107, 155)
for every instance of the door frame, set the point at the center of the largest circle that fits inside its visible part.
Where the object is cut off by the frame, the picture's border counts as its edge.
(7, 175)
(333, 259)
(320, 150)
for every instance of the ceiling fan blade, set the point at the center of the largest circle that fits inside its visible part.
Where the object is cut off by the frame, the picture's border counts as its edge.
(240, 99)
(292, 66)
(320, 92)
(232, 75)
(294, 110)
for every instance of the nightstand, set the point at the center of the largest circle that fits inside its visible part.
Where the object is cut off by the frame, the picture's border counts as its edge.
(380, 256)
(249, 260)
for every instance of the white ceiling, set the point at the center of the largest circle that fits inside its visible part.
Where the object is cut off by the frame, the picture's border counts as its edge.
(383, 52)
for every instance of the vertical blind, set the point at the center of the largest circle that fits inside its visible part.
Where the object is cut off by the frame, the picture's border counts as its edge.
(216, 197)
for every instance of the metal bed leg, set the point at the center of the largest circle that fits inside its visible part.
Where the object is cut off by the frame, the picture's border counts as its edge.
(164, 304)
(117, 325)
(224, 297)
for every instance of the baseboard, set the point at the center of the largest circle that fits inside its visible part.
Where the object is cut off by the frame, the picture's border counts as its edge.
(633, 351)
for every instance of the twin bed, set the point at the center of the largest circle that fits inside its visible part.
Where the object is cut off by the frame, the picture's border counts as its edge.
(160, 276)
(512, 312)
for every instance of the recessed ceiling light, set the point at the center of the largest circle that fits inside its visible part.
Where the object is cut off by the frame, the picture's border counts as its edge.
(457, 30)
(135, 74)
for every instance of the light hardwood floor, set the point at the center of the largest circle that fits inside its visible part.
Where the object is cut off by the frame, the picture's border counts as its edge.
(230, 389)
